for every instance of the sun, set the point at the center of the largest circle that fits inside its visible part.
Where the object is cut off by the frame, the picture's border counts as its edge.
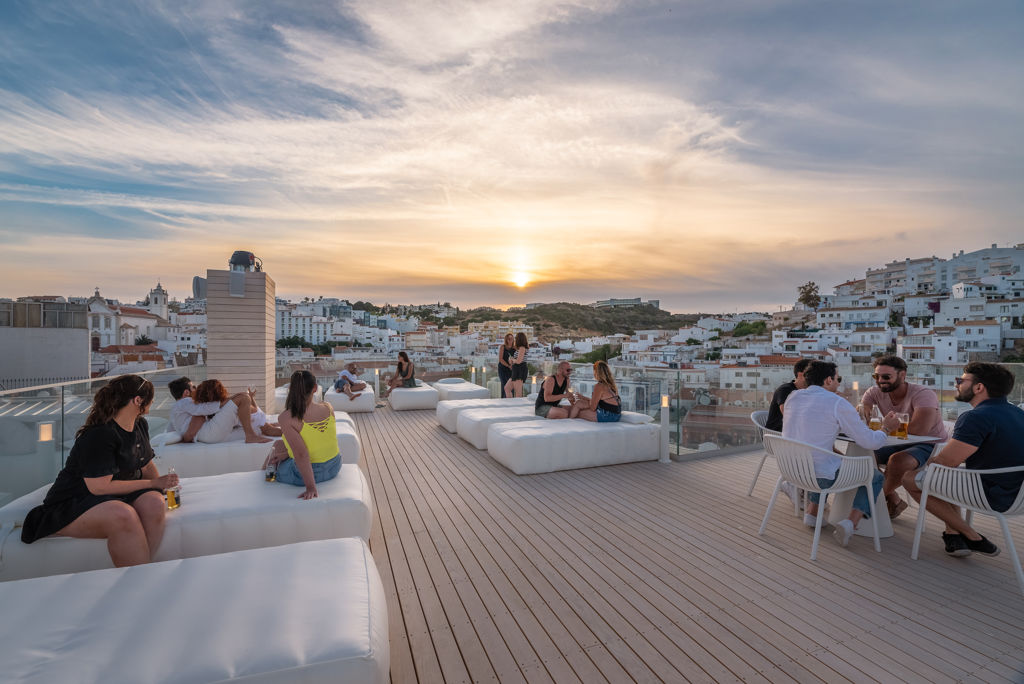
(521, 279)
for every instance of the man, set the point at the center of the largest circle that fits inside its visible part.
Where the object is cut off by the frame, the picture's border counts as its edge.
(816, 415)
(348, 381)
(893, 394)
(214, 418)
(774, 421)
(988, 436)
(552, 391)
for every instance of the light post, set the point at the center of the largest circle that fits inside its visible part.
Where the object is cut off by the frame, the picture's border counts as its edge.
(664, 430)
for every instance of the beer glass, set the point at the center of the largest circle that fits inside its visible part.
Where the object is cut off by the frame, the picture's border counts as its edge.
(901, 431)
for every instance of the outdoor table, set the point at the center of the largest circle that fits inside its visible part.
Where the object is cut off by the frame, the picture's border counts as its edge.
(842, 502)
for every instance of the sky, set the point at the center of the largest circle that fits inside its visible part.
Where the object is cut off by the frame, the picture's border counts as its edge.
(712, 155)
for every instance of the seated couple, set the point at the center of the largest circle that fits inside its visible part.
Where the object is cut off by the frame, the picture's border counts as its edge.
(348, 382)
(309, 451)
(208, 414)
(602, 406)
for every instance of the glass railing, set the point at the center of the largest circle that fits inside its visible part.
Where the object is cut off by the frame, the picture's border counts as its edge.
(38, 426)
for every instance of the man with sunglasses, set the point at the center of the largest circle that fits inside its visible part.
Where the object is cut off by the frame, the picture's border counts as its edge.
(988, 436)
(893, 394)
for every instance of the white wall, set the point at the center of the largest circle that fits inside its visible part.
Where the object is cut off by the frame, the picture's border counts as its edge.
(41, 356)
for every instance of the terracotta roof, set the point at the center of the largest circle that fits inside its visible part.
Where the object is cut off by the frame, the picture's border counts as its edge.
(133, 311)
(778, 360)
(969, 323)
(128, 348)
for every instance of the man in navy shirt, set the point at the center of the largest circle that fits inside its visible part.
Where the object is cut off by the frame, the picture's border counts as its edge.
(774, 420)
(986, 437)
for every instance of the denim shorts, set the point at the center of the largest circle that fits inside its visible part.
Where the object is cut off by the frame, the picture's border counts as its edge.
(288, 472)
(543, 410)
(920, 452)
(606, 416)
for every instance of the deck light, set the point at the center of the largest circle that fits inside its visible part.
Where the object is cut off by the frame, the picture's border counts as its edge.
(45, 432)
(664, 430)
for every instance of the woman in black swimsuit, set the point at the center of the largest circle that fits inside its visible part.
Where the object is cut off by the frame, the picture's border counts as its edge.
(109, 488)
(604, 405)
(405, 374)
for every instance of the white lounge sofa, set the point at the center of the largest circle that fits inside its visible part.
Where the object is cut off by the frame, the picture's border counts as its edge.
(473, 424)
(281, 393)
(448, 410)
(457, 388)
(364, 403)
(544, 446)
(310, 612)
(197, 459)
(218, 514)
(413, 398)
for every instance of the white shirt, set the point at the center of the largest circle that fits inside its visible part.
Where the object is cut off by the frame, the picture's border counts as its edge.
(348, 375)
(185, 409)
(817, 416)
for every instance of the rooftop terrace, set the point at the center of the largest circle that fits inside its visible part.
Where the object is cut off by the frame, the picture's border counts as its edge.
(654, 572)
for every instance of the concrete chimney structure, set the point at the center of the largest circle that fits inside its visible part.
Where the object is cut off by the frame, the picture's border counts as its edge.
(240, 332)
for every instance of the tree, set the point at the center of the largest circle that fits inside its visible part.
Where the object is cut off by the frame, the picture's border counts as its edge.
(809, 295)
(692, 341)
(142, 339)
(291, 342)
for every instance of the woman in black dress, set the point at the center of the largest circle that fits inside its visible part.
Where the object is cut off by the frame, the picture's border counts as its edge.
(514, 387)
(109, 488)
(508, 350)
(405, 375)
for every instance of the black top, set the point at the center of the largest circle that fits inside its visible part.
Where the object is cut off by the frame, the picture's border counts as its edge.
(610, 408)
(557, 389)
(411, 367)
(506, 355)
(996, 427)
(102, 450)
(774, 421)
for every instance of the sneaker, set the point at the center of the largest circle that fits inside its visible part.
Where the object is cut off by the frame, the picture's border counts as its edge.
(843, 532)
(982, 546)
(956, 544)
(790, 490)
(812, 520)
(896, 508)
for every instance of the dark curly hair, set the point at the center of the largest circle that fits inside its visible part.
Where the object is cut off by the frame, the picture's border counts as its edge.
(114, 396)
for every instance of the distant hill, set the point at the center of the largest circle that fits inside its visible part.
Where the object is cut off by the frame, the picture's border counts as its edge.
(553, 322)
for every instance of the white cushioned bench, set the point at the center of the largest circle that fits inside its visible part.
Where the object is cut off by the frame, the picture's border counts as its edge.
(413, 398)
(457, 388)
(218, 514)
(196, 459)
(309, 612)
(473, 424)
(448, 411)
(364, 403)
(544, 446)
(281, 393)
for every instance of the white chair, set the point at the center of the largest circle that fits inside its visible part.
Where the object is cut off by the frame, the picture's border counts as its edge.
(962, 487)
(759, 418)
(796, 463)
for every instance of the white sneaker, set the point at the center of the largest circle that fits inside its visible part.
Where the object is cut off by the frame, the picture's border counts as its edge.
(790, 490)
(843, 532)
(812, 520)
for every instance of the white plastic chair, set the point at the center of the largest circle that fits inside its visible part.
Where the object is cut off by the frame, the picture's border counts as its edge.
(962, 487)
(759, 418)
(796, 463)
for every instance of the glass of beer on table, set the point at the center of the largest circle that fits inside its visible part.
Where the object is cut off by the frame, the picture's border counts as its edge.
(901, 431)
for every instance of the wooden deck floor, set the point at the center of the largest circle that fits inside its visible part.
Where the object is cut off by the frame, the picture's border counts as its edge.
(654, 572)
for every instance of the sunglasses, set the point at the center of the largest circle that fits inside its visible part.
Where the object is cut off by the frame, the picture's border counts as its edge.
(885, 376)
(957, 381)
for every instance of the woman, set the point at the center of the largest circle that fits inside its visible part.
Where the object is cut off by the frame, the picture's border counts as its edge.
(250, 417)
(109, 488)
(405, 376)
(514, 386)
(504, 366)
(309, 451)
(604, 405)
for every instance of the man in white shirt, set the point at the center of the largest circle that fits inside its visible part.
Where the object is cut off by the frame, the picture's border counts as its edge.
(816, 415)
(187, 417)
(348, 382)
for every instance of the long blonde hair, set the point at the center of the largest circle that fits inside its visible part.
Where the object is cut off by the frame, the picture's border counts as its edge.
(604, 374)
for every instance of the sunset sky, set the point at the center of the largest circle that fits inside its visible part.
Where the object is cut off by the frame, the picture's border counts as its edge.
(712, 155)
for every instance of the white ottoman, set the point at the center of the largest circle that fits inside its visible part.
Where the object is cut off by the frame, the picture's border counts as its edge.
(473, 424)
(196, 459)
(448, 411)
(310, 612)
(413, 398)
(544, 446)
(218, 514)
(457, 388)
(364, 403)
(281, 393)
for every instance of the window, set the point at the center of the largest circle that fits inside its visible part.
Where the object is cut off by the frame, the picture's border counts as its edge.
(95, 321)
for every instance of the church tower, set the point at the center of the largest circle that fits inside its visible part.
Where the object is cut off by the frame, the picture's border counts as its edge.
(158, 301)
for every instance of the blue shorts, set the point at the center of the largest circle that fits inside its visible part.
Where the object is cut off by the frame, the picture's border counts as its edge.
(920, 452)
(288, 472)
(606, 416)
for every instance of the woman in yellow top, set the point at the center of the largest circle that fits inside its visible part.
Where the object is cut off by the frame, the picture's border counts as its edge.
(309, 451)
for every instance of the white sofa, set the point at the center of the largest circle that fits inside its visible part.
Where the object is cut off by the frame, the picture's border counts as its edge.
(544, 446)
(364, 403)
(413, 398)
(310, 612)
(473, 424)
(218, 514)
(457, 388)
(197, 459)
(281, 393)
(448, 411)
